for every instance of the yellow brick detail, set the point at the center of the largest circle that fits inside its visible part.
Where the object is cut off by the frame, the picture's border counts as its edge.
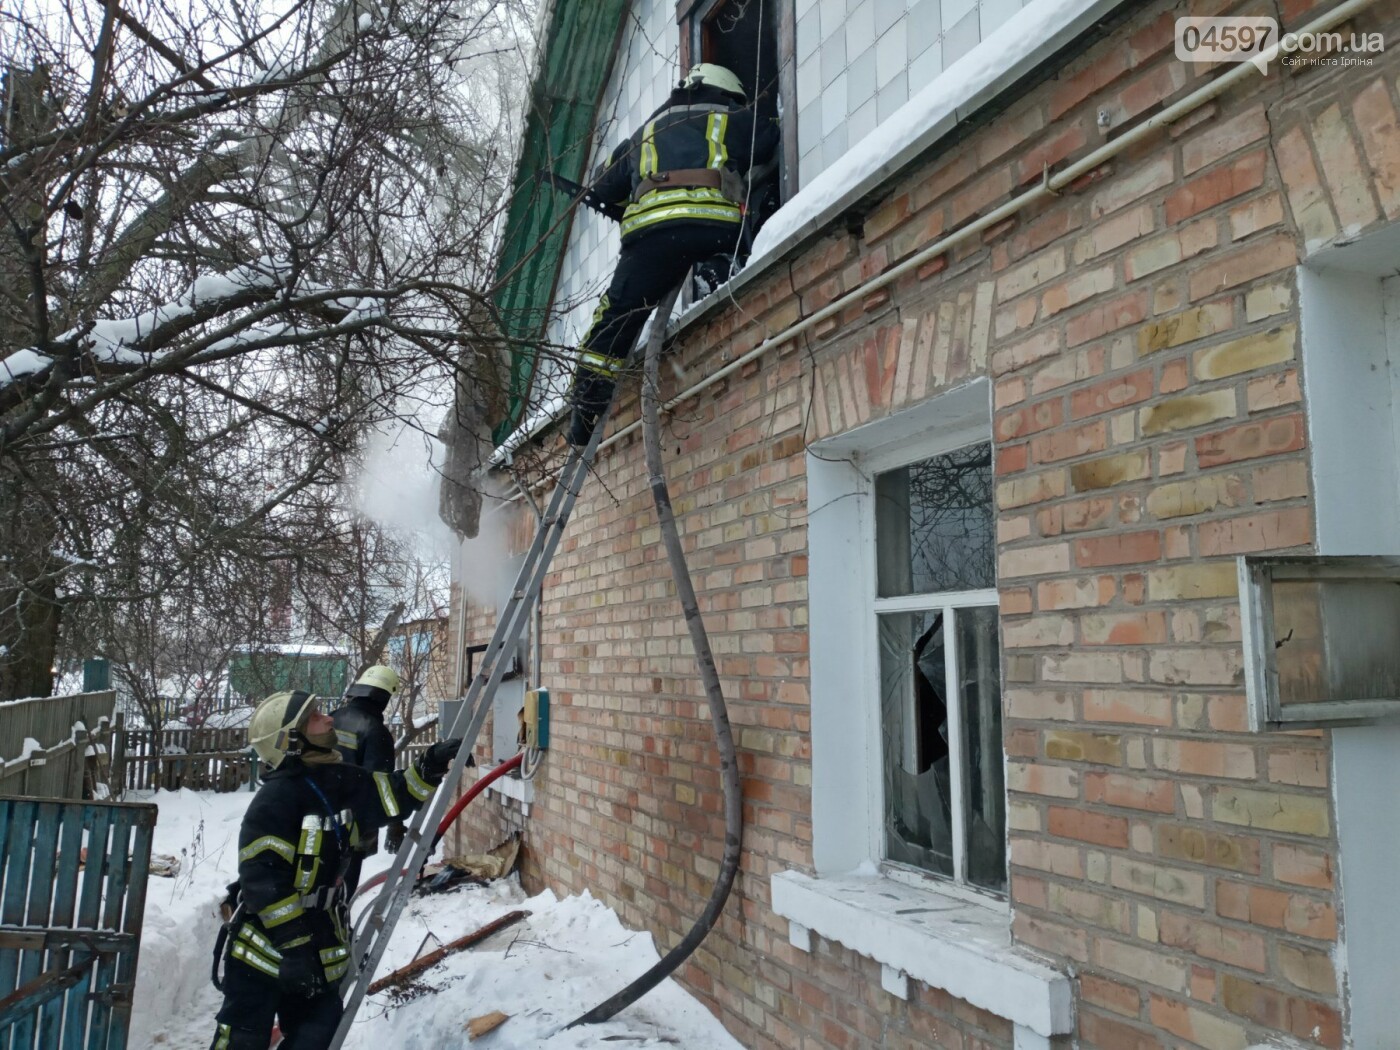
(1182, 413)
(1111, 470)
(1212, 580)
(1185, 327)
(1183, 498)
(1292, 814)
(1245, 355)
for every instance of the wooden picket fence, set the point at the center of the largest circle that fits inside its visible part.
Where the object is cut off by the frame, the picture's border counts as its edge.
(198, 759)
(68, 761)
(55, 746)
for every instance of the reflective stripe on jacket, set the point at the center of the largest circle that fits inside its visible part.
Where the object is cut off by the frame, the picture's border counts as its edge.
(695, 129)
(294, 847)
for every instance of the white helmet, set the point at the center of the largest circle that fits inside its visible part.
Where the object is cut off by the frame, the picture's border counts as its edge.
(377, 677)
(710, 75)
(274, 729)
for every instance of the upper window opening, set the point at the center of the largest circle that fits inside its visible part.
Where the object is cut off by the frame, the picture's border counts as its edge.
(934, 525)
(740, 35)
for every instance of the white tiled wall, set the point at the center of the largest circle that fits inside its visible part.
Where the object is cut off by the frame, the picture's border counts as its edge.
(857, 62)
(860, 60)
(646, 71)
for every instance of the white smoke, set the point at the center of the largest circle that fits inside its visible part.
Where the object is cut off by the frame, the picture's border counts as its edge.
(398, 485)
(483, 565)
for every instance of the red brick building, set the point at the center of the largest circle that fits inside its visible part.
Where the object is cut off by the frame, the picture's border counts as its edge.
(967, 550)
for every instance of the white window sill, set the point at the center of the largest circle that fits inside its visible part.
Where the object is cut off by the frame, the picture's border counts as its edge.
(943, 940)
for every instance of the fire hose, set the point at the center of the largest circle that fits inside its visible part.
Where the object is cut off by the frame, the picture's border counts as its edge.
(704, 657)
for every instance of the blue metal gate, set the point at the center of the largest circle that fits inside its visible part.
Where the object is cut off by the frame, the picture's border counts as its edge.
(72, 895)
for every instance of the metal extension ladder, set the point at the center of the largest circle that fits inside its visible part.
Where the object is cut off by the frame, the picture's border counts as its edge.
(379, 925)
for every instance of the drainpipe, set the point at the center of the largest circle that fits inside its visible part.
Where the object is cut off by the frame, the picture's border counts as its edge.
(1050, 186)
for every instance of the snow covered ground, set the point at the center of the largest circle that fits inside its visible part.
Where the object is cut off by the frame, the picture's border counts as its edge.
(568, 956)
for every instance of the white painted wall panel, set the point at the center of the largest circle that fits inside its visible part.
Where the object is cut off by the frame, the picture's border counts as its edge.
(860, 60)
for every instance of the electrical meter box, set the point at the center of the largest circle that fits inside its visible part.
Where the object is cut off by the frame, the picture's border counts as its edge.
(537, 719)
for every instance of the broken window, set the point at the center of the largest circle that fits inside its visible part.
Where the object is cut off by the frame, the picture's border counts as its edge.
(940, 669)
(742, 36)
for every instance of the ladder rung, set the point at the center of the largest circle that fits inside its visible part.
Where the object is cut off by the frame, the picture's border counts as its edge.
(413, 852)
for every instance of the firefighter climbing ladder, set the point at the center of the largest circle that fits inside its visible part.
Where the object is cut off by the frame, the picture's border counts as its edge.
(418, 841)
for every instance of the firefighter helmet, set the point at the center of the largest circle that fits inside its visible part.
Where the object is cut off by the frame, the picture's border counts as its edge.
(274, 728)
(376, 677)
(708, 74)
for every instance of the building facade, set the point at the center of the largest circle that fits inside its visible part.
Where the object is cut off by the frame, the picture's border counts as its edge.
(968, 548)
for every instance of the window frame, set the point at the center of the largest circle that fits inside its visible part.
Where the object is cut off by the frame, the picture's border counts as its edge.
(1257, 575)
(847, 756)
(948, 603)
(691, 16)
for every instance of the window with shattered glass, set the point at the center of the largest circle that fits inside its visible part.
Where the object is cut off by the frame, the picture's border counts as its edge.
(940, 669)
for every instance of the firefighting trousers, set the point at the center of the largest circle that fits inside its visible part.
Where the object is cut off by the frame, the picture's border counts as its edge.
(648, 267)
(253, 1001)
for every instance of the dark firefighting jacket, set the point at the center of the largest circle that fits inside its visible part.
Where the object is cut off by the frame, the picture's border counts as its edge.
(293, 850)
(363, 738)
(698, 130)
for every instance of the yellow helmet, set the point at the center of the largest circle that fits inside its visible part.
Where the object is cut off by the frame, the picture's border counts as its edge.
(272, 731)
(377, 677)
(710, 75)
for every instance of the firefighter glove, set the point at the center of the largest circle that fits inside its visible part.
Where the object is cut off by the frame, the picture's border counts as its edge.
(393, 839)
(301, 972)
(435, 761)
(591, 396)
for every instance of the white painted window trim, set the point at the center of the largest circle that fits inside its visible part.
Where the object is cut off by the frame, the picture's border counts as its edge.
(1349, 308)
(850, 899)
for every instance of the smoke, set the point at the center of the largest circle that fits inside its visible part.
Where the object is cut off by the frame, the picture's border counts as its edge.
(482, 564)
(398, 487)
(398, 484)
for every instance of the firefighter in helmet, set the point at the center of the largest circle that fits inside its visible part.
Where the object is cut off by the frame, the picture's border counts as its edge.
(682, 175)
(286, 946)
(364, 740)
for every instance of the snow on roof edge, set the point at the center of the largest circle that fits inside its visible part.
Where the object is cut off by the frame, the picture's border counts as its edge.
(1078, 16)
(880, 157)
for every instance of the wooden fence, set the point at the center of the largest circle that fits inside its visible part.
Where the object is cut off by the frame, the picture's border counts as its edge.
(58, 747)
(51, 746)
(198, 759)
(72, 890)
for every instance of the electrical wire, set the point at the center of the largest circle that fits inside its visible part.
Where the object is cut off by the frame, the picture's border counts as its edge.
(704, 658)
(530, 763)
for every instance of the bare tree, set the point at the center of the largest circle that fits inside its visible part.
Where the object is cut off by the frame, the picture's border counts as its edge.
(232, 240)
(421, 653)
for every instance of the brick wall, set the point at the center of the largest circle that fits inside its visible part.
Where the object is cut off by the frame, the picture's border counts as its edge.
(1141, 332)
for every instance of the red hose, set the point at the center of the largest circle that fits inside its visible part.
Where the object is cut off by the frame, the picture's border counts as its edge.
(471, 793)
(452, 814)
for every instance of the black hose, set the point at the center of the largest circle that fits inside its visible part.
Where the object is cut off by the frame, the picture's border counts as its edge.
(719, 714)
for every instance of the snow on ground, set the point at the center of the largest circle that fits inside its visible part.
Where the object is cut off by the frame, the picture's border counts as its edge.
(174, 1003)
(567, 957)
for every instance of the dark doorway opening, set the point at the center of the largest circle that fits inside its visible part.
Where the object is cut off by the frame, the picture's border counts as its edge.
(742, 35)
